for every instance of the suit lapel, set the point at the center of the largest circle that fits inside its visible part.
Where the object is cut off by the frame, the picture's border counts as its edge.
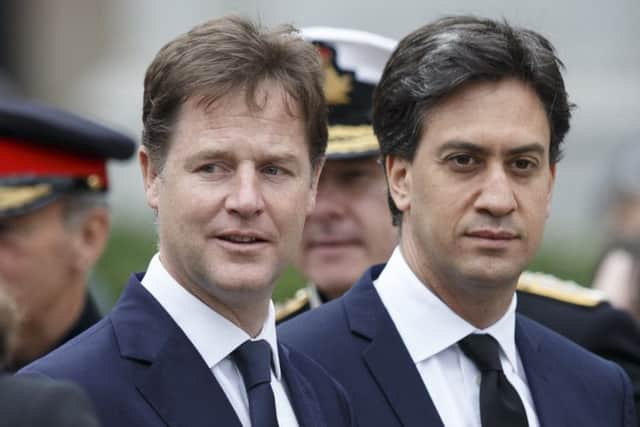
(541, 376)
(301, 394)
(167, 369)
(387, 357)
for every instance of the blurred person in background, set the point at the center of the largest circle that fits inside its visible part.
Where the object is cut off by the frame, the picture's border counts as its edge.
(54, 219)
(351, 229)
(36, 402)
(617, 273)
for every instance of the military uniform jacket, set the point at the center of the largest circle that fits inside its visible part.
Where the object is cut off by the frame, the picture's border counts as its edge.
(141, 370)
(354, 338)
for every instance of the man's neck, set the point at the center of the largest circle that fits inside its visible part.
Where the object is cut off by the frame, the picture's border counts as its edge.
(479, 303)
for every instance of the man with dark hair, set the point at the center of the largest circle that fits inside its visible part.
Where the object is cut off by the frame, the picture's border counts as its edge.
(234, 138)
(54, 219)
(34, 402)
(350, 228)
(470, 115)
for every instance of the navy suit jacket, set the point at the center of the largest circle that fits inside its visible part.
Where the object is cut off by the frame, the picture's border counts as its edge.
(354, 338)
(140, 370)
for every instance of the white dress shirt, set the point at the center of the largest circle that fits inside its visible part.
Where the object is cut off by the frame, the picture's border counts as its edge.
(430, 330)
(215, 338)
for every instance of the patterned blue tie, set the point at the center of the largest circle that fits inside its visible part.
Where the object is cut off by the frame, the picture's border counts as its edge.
(253, 359)
(500, 404)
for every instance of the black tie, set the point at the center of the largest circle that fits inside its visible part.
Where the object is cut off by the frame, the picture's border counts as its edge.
(253, 359)
(500, 405)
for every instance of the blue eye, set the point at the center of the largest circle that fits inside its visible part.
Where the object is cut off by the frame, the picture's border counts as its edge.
(272, 170)
(208, 168)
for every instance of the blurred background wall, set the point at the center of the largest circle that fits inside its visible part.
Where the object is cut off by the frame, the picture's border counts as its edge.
(89, 56)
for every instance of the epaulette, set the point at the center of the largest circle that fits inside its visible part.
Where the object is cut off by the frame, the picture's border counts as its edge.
(292, 305)
(563, 290)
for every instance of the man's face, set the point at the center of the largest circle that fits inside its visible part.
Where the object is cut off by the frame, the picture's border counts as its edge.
(233, 196)
(350, 229)
(39, 260)
(476, 196)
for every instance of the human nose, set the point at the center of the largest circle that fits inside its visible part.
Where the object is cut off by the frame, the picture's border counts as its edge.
(245, 198)
(328, 202)
(497, 197)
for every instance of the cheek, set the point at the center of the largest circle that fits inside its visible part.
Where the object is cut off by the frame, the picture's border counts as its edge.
(21, 274)
(19, 261)
(371, 212)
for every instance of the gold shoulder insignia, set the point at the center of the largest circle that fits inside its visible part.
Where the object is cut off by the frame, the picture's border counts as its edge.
(292, 305)
(563, 290)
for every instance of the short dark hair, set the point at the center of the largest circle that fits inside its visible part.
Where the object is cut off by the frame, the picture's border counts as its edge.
(225, 55)
(439, 58)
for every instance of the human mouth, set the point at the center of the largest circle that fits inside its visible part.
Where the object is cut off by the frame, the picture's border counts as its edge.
(492, 239)
(492, 234)
(242, 238)
(331, 247)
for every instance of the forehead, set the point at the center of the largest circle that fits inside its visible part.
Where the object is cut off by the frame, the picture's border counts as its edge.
(504, 109)
(269, 117)
(344, 164)
(266, 100)
(43, 218)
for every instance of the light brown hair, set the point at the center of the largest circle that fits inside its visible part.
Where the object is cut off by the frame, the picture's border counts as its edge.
(225, 55)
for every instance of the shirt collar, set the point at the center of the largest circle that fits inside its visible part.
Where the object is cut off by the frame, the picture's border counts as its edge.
(425, 323)
(213, 336)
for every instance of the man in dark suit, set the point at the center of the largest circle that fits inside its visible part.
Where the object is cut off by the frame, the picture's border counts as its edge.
(33, 402)
(233, 143)
(470, 115)
(351, 229)
(54, 219)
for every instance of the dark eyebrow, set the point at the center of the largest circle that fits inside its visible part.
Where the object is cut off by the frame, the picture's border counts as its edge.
(529, 148)
(477, 149)
(462, 145)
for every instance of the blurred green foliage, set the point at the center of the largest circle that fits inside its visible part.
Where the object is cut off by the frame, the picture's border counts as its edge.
(130, 250)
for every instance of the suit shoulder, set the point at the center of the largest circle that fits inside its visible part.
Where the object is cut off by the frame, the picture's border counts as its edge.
(313, 328)
(294, 306)
(548, 286)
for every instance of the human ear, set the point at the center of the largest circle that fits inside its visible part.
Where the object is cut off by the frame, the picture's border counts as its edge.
(398, 172)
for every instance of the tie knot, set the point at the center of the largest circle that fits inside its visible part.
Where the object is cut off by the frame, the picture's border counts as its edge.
(483, 350)
(253, 359)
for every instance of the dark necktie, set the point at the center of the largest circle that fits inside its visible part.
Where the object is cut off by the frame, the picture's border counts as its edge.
(500, 405)
(253, 359)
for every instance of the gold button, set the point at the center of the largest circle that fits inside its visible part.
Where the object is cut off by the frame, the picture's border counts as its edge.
(94, 182)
